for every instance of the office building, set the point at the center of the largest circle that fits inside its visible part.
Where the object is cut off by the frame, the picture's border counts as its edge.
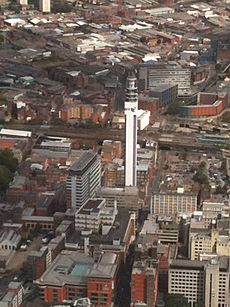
(126, 197)
(144, 283)
(202, 282)
(154, 76)
(74, 275)
(211, 237)
(44, 6)
(174, 202)
(100, 228)
(166, 230)
(95, 216)
(131, 108)
(165, 93)
(83, 180)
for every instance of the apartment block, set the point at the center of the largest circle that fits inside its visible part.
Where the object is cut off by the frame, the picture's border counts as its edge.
(75, 111)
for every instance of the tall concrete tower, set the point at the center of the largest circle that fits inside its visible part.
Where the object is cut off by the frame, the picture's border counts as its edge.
(131, 107)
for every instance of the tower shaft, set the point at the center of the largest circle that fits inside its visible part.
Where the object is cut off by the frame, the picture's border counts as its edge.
(131, 107)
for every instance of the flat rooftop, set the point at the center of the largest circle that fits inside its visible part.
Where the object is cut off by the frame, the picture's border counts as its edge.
(15, 133)
(91, 205)
(182, 264)
(85, 160)
(116, 232)
(74, 268)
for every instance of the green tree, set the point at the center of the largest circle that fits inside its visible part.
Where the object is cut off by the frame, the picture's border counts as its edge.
(176, 300)
(8, 165)
(201, 174)
(7, 159)
(5, 177)
(202, 165)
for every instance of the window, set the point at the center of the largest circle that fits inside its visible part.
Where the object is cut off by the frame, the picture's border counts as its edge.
(94, 298)
(104, 298)
(55, 295)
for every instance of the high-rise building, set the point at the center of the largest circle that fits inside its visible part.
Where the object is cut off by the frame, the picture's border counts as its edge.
(131, 107)
(44, 6)
(83, 180)
(201, 282)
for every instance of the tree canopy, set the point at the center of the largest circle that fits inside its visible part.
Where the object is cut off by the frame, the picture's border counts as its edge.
(8, 165)
(175, 300)
(201, 174)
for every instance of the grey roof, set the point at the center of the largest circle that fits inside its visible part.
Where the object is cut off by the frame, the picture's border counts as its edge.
(35, 218)
(101, 270)
(83, 162)
(10, 237)
(186, 264)
(72, 267)
(118, 231)
(18, 181)
(223, 262)
(61, 271)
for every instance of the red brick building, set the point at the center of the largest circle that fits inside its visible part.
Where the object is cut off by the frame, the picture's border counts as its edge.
(75, 275)
(208, 104)
(144, 282)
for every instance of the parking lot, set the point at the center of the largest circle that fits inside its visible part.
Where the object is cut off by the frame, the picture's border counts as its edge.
(20, 256)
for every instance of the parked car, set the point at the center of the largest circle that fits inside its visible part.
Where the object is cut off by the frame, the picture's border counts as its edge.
(23, 247)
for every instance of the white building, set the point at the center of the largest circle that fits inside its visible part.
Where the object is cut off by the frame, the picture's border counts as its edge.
(44, 6)
(9, 240)
(143, 119)
(23, 2)
(83, 180)
(94, 215)
(131, 108)
(15, 133)
(159, 11)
